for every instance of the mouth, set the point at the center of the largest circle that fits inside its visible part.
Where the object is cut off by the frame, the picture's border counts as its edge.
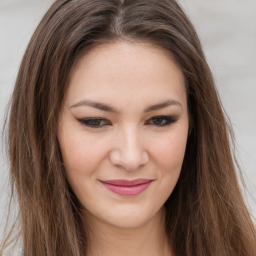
(127, 187)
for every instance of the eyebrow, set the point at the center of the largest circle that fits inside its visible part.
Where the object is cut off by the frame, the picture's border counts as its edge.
(108, 108)
(163, 105)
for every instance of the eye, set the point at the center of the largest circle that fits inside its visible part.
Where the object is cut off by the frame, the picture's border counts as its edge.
(94, 122)
(161, 121)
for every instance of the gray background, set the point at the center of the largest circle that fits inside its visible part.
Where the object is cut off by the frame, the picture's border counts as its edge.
(227, 29)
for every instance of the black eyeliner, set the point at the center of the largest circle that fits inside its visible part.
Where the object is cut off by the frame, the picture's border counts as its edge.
(90, 122)
(169, 119)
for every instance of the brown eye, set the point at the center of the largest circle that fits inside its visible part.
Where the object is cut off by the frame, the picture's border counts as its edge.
(94, 122)
(161, 121)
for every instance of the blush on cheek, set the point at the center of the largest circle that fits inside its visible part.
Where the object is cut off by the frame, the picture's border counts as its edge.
(82, 160)
(82, 151)
(170, 155)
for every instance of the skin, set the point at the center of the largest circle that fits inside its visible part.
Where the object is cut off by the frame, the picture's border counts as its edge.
(128, 143)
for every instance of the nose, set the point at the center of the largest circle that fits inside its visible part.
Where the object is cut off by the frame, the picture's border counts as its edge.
(128, 151)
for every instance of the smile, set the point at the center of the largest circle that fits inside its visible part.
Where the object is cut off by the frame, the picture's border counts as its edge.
(127, 187)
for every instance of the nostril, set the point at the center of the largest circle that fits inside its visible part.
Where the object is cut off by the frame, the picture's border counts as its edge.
(128, 160)
(128, 150)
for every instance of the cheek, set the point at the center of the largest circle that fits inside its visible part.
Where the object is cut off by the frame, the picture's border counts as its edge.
(168, 156)
(81, 154)
(169, 152)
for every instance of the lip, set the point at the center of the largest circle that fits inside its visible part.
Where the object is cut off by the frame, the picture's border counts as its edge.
(127, 187)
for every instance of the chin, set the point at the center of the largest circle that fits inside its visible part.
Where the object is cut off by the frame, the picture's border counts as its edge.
(130, 218)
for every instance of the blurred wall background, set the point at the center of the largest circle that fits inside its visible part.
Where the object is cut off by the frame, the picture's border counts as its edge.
(227, 29)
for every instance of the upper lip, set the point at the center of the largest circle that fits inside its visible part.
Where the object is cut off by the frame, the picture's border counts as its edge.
(126, 182)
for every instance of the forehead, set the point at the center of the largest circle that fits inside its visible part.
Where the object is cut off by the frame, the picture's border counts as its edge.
(123, 70)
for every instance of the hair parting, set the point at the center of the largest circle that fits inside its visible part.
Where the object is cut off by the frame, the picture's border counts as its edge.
(205, 214)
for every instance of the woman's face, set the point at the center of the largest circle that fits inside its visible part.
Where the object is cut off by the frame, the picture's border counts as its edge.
(123, 131)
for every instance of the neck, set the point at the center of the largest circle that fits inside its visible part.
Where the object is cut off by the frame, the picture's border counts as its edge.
(149, 239)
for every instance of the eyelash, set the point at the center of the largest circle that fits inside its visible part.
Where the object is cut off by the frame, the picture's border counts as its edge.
(95, 122)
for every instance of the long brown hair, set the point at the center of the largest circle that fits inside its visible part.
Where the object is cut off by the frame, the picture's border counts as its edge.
(206, 214)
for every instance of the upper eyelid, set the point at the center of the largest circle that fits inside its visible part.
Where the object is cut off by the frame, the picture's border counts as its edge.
(170, 119)
(83, 120)
(103, 118)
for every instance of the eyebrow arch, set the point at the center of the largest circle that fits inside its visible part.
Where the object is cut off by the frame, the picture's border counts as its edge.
(94, 104)
(107, 108)
(163, 105)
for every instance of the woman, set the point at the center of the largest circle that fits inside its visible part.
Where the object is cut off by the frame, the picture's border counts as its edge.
(117, 139)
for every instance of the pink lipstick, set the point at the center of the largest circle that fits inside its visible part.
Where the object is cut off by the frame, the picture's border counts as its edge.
(126, 187)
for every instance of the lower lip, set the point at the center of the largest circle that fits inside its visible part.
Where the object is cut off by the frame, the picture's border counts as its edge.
(127, 190)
